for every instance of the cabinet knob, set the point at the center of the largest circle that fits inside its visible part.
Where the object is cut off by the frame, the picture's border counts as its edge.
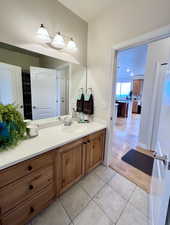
(31, 187)
(88, 141)
(29, 168)
(31, 209)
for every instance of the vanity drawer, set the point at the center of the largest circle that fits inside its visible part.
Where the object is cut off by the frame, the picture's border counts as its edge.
(25, 168)
(29, 209)
(14, 193)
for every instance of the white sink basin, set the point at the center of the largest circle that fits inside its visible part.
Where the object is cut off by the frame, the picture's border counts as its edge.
(74, 128)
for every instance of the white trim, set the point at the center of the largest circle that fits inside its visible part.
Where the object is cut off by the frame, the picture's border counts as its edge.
(154, 35)
(64, 65)
(110, 122)
(146, 38)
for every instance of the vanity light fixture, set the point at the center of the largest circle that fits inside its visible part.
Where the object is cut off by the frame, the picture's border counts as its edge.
(42, 34)
(71, 46)
(58, 41)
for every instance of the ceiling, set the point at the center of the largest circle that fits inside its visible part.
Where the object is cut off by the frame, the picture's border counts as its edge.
(87, 9)
(131, 63)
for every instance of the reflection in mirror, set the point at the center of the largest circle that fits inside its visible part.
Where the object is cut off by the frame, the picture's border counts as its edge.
(37, 85)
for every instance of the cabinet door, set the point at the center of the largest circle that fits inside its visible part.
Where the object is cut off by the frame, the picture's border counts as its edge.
(71, 164)
(94, 151)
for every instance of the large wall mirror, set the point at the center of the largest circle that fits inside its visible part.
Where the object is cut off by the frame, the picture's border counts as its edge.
(38, 85)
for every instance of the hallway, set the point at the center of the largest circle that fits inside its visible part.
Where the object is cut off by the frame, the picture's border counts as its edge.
(126, 132)
(125, 138)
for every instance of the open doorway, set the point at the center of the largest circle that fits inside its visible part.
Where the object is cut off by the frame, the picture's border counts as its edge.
(130, 78)
(131, 65)
(137, 109)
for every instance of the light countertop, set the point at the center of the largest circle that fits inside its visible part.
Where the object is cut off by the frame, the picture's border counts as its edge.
(48, 139)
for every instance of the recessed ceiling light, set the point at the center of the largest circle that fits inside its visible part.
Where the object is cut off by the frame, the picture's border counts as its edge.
(127, 70)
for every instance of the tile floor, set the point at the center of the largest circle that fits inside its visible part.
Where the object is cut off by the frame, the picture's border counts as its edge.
(101, 198)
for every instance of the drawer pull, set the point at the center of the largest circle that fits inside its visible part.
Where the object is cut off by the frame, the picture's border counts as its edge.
(29, 168)
(31, 186)
(84, 143)
(31, 209)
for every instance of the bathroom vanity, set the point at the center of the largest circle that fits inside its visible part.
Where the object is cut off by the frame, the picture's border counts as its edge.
(43, 88)
(38, 170)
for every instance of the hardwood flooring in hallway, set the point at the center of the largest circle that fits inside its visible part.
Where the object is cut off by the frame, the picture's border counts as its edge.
(125, 138)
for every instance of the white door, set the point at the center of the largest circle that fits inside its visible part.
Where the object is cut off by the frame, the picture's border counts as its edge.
(11, 86)
(62, 91)
(160, 185)
(43, 92)
(159, 82)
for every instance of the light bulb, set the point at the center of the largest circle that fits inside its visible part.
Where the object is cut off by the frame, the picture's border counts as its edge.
(58, 41)
(42, 34)
(71, 46)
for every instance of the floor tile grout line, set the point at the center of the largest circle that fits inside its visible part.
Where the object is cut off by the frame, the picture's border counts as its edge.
(138, 210)
(90, 199)
(127, 202)
(119, 193)
(134, 205)
(82, 210)
(136, 186)
(85, 191)
(103, 211)
(105, 184)
(104, 180)
(96, 192)
(147, 217)
(65, 211)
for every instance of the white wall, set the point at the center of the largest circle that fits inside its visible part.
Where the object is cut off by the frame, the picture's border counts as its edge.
(19, 21)
(158, 52)
(122, 21)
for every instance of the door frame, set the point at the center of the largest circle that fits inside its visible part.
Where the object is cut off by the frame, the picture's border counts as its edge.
(67, 91)
(146, 38)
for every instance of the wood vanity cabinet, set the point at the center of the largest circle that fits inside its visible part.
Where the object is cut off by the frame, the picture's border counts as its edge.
(26, 189)
(30, 186)
(70, 161)
(94, 153)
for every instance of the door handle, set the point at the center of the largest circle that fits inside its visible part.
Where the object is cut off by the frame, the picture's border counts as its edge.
(163, 158)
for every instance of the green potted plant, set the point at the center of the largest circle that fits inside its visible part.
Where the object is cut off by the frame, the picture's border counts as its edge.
(12, 126)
